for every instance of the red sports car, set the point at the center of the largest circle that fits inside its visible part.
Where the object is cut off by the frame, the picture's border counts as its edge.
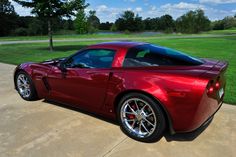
(147, 88)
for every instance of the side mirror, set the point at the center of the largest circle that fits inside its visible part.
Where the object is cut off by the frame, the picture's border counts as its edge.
(62, 67)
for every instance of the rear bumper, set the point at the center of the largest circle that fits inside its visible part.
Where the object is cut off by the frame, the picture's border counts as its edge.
(204, 113)
(209, 119)
(188, 118)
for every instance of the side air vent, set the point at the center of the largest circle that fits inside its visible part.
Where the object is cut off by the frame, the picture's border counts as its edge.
(45, 82)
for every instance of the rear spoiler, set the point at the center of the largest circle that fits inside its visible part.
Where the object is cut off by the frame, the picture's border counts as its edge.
(216, 70)
(221, 66)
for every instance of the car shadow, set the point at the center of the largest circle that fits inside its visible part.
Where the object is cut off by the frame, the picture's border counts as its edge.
(190, 136)
(81, 111)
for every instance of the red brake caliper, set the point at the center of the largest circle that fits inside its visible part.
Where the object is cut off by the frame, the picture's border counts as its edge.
(131, 116)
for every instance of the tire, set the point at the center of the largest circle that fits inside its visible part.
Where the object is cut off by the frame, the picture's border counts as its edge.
(148, 124)
(28, 85)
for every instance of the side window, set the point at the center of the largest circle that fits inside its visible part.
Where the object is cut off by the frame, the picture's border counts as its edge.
(149, 55)
(93, 58)
(143, 57)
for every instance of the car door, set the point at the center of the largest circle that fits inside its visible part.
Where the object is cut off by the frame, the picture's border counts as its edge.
(86, 78)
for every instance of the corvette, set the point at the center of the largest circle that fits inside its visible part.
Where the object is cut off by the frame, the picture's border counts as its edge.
(149, 89)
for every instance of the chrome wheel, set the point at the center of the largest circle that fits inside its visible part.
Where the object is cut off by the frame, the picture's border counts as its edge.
(138, 117)
(23, 85)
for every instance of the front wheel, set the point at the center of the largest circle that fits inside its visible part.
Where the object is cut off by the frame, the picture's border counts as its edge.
(141, 118)
(25, 86)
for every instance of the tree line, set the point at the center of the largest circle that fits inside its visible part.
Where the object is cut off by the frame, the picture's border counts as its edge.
(192, 22)
(55, 15)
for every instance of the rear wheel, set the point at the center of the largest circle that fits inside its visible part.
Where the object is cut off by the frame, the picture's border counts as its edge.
(25, 86)
(141, 118)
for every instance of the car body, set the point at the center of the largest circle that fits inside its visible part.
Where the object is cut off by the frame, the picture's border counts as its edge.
(187, 94)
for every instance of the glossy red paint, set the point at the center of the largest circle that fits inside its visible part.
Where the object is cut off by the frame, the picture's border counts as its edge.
(182, 91)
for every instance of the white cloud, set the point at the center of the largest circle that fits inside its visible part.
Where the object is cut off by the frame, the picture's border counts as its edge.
(178, 9)
(153, 8)
(217, 14)
(183, 5)
(138, 9)
(22, 11)
(106, 13)
(175, 10)
(218, 1)
(101, 8)
(130, 9)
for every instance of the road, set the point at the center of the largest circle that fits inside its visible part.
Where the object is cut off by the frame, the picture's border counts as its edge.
(39, 128)
(114, 39)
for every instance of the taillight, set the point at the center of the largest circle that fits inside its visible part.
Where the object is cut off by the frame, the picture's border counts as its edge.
(210, 90)
(217, 85)
(213, 86)
(210, 87)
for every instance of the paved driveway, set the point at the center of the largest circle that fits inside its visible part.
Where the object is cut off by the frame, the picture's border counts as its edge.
(44, 129)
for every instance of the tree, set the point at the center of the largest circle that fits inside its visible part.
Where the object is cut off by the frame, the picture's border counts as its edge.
(30, 25)
(93, 22)
(8, 18)
(113, 28)
(128, 21)
(81, 24)
(193, 22)
(35, 27)
(229, 22)
(149, 24)
(166, 23)
(51, 9)
(105, 26)
(68, 24)
(217, 25)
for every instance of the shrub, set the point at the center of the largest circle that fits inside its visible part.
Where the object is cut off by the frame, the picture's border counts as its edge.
(20, 32)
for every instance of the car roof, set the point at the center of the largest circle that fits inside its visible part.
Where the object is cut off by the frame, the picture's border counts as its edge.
(117, 44)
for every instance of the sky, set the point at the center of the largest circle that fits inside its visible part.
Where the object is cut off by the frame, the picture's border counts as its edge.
(110, 10)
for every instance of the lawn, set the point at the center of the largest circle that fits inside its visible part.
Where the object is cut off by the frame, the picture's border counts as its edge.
(116, 35)
(226, 31)
(223, 48)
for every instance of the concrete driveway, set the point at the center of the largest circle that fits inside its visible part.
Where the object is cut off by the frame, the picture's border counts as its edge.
(44, 129)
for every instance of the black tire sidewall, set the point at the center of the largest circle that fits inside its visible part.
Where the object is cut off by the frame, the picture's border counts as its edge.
(33, 94)
(161, 124)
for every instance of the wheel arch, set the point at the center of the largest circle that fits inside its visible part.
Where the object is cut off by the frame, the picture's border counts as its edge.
(166, 113)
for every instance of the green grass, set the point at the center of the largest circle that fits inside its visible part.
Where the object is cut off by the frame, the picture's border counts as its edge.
(75, 36)
(18, 53)
(216, 48)
(71, 35)
(227, 31)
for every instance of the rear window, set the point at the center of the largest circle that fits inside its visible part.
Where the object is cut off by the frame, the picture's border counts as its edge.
(150, 55)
